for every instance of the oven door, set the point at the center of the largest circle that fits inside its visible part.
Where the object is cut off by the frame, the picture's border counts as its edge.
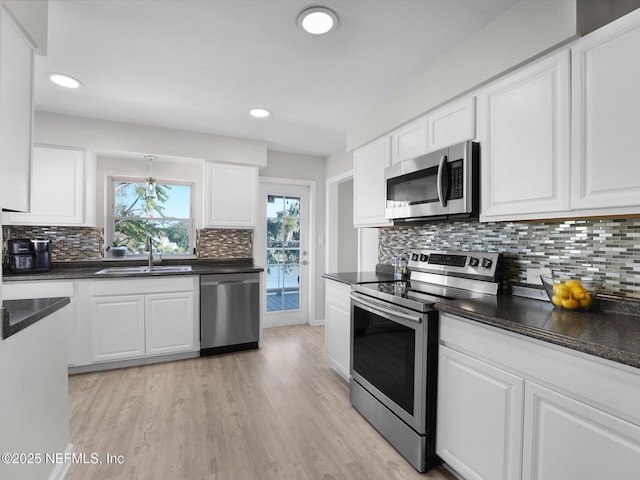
(389, 357)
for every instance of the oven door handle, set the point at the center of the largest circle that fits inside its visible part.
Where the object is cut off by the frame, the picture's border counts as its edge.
(387, 311)
(443, 181)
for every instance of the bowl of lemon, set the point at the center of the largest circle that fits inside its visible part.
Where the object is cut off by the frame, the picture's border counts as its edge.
(569, 293)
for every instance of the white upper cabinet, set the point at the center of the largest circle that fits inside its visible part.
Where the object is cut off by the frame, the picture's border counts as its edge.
(524, 131)
(16, 114)
(409, 141)
(230, 195)
(606, 112)
(63, 188)
(451, 124)
(369, 183)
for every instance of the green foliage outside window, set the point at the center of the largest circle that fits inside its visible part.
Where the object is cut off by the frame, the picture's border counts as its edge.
(136, 216)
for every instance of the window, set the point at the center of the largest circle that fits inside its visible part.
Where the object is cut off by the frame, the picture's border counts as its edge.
(168, 218)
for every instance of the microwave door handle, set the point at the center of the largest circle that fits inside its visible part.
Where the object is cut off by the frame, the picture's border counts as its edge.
(443, 181)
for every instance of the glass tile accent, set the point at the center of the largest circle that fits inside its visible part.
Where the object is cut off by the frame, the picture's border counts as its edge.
(605, 248)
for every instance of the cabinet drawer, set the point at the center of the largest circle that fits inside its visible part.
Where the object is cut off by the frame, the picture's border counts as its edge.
(119, 286)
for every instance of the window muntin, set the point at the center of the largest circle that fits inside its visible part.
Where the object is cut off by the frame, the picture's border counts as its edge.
(168, 218)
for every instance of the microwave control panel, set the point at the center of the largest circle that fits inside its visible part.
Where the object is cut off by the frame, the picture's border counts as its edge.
(456, 180)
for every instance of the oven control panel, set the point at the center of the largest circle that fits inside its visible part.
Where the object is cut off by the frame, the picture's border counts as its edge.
(474, 264)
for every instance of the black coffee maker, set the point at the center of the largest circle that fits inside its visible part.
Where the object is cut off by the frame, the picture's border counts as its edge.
(28, 255)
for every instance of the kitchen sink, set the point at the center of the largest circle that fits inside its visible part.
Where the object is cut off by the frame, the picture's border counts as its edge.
(149, 270)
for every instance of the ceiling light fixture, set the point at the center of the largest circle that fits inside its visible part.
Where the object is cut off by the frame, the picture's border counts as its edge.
(150, 187)
(64, 80)
(259, 112)
(317, 20)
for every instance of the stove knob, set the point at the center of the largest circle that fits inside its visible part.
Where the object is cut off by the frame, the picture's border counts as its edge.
(486, 263)
(474, 262)
(414, 257)
(423, 257)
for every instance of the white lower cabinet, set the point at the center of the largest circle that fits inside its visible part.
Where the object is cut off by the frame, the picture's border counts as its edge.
(141, 317)
(169, 323)
(479, 417)
(567, 439)
(510, 407)
(117, 327)
(337, 329)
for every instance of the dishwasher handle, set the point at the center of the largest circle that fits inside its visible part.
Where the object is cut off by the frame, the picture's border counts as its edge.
(229, 282)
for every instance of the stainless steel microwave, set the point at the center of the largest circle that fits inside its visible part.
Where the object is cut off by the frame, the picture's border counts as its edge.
(437, 186)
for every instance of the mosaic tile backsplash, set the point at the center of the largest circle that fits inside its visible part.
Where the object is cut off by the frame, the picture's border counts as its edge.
(69, 243)
(224, 243)
(603, 248)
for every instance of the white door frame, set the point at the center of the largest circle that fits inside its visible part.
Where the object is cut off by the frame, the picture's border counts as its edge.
(367, 237)
(260, 233)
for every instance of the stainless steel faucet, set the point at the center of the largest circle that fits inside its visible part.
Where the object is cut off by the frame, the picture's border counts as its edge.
(149, 247)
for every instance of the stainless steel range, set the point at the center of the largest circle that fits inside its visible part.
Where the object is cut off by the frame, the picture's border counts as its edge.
(394, 345)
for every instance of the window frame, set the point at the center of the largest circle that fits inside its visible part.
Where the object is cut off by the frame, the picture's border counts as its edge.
(111, 206)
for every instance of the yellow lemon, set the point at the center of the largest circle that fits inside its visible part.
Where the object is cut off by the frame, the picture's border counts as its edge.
(570, 303)
(573, 283)
(584, 302)
(561, 290)
(556, 300)
(578, 293)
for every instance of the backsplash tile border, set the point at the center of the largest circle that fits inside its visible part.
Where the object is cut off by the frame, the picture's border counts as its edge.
(87, 243)
(604, 248)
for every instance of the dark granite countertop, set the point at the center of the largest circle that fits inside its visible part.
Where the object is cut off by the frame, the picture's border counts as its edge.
(89, 269)
(19, 314)
(359, 277)
(606, 334)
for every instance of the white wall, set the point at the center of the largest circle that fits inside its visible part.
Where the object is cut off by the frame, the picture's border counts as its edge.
(34, 407)
(305, 167)
(338, 162)
(103, 137)
(522, 33)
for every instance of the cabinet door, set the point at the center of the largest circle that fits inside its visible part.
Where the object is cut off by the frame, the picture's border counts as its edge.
(479, 429)
(606, 106)
(338, 327)
(58, 186)
(409, 141)
(16, 112)
(117, 327)
(566, 439)
(230, 195)
(369, 184)
(524, 134)
(451, 124)
(169, 323)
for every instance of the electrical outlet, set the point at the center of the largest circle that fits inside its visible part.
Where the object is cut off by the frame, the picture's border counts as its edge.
(533, 275)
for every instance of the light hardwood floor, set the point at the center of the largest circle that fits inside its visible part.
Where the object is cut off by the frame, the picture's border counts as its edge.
(275, 413)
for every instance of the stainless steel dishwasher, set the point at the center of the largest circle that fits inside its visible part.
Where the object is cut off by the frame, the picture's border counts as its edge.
(229, 312)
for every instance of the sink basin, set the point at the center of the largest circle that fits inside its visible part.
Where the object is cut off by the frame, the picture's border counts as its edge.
(148, 270)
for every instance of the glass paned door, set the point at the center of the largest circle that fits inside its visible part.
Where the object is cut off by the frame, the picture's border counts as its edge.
(283, 253)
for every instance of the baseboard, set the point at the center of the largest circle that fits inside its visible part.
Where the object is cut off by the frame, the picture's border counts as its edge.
(316, 323)
(61, 469)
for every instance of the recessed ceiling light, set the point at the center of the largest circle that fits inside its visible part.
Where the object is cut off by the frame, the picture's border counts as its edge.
(318, 20)
(64, 80)
(259, 112)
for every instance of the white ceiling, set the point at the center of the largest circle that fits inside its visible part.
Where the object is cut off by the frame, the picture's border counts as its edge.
(201, 64)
